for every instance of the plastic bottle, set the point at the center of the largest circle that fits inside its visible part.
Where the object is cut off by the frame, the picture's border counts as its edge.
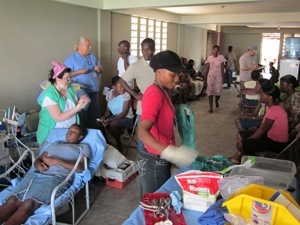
(262, 109)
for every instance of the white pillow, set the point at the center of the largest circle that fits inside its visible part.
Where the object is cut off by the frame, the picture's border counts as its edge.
(113, 158)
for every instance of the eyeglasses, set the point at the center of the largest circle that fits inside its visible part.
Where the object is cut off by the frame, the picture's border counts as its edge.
(66, 78)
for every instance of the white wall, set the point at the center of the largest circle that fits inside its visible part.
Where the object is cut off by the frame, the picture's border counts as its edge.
(33, 33)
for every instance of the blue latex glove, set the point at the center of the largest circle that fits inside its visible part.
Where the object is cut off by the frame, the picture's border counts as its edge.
(176, 201)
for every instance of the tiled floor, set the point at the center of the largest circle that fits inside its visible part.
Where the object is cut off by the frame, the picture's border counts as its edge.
(215, 134)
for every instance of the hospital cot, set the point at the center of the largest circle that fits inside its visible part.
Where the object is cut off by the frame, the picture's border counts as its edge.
(47, 214)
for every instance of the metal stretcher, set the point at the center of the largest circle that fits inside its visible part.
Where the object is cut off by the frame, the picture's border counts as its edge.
(47, 214)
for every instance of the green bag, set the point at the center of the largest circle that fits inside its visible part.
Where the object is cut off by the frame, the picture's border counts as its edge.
(186, 125)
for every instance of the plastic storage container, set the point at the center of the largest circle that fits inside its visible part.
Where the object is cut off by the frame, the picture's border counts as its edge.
(271, 179)
(121, 176)
(274, 166)
(254, 205)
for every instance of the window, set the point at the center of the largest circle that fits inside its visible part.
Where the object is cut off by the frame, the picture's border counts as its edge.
(142, 28)
(283, 43)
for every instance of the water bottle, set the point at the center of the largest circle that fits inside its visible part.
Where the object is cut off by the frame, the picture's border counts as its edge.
(262, 109)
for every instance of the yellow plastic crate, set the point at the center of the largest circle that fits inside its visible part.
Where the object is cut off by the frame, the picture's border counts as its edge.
(244, 201)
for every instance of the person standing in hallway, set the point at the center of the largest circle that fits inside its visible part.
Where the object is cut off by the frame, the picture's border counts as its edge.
(142, 73)
(86, 70)
(214, 78)
(125, 58)
(230, 65)
(247, 64)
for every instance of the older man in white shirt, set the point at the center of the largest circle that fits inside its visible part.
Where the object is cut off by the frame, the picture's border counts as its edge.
(247, 64)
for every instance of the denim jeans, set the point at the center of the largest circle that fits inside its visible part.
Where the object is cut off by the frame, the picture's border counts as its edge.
(229, 77)
(153, 171)
(140, 143)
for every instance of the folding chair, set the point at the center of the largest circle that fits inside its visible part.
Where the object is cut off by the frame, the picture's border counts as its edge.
(245, 101)
(239, 104)
(132, 136)
(292, 140)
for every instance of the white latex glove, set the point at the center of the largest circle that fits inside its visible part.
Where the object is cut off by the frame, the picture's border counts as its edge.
(181, 156)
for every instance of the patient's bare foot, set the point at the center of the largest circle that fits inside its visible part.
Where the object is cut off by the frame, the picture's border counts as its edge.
(210, 111)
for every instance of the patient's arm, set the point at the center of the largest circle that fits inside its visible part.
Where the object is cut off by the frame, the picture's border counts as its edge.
(39, 164)
(68, 165)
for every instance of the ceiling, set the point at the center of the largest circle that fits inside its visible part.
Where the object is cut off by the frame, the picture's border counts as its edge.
(251, 13)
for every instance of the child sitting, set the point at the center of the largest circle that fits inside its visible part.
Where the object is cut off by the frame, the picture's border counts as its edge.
(118, 115)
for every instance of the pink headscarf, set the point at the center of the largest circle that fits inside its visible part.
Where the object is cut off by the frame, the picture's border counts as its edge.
(57, 68)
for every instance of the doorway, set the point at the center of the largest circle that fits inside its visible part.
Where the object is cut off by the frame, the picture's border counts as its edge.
(270, 50)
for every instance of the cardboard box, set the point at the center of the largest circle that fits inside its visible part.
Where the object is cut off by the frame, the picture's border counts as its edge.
(281, 199)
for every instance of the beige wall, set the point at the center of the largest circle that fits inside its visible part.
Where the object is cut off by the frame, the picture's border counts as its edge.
(241, 42)
(121, 30)
(192, 43)
(173, 39)
(33, 33)
(41, 31)
(241, 37)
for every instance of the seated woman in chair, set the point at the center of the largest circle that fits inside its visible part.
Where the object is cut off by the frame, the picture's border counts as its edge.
(52, 167)
(118, 115)
(291, 100)
(273, 132)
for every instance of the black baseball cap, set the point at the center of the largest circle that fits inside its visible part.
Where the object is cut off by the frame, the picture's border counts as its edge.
(167, 60)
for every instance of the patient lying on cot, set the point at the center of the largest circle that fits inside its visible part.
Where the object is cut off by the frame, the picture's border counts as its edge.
(53, 166)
